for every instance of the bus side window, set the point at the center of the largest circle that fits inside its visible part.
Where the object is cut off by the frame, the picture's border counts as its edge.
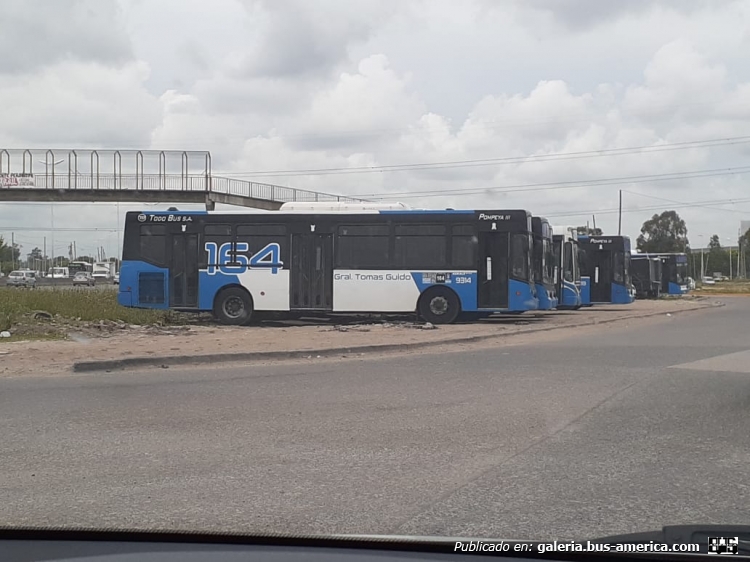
(464, 244)
(363, 246)
(219, 234)
(420, 246)
(520, 256)
(153, 244)
(271, 239)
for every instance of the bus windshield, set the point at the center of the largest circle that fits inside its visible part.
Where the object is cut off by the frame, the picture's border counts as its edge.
(549, 262)
(568, 262)
(680, 273)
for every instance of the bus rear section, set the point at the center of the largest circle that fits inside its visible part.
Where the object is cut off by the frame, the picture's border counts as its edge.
(568, 273)
(674, 274)
(606, 262)
(437, 263)
(544, 263)
(646, 273)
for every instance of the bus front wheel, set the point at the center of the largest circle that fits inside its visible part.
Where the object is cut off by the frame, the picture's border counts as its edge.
(439, 305)
(233, 306)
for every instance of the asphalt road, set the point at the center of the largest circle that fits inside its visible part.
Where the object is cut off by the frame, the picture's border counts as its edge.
(610, 429)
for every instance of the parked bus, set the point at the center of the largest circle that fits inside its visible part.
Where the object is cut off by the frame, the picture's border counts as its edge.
(674, 273)
(646, 272)
(322, 258)
(568, 274)
(78, 267)
(544, 263)
(606, 262)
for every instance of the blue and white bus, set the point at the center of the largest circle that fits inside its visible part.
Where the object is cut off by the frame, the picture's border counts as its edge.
(329, 258)
(606, 262)
(544, 263)
(568, 273)
(674, 271)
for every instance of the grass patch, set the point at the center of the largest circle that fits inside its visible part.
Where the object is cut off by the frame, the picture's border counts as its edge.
(84, 304)
(737, 287)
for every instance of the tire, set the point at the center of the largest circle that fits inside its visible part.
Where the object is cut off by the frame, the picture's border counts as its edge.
(233, 306)
(439, 305)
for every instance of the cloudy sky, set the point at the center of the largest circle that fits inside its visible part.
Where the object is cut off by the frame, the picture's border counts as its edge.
(478, 103)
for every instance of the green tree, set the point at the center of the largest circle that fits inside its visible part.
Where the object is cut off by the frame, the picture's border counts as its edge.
(35, 254)
(8, 256)
(714, 243)
(663, 233)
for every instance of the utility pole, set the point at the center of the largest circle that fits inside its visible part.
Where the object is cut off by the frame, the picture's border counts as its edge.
(619, 220)
(44, 257)
(594, 219)
(730, 263)
(13, 249)
(75, 252)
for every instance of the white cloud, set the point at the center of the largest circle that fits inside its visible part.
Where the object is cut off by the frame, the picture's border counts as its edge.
(39, 33)
(75, 104)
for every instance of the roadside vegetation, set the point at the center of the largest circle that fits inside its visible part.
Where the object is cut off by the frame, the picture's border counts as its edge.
(23, 309)
(735, 286)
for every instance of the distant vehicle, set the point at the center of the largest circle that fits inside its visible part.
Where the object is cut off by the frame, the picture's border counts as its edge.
(646, 273)
(83, 278)
(59, 273)
(719, 276)
(104, 271)
(606, 262)
(21, 279)
(567, 271)
(544, 263)
(78, 266)
(709, 281)
(116, 279)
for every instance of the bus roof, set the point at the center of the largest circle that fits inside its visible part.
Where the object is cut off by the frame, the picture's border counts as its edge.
(326, 208)
(318, 207)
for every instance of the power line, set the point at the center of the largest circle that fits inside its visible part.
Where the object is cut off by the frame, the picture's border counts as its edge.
(680, 202)
(640, 209)
(573, 184)
(645, 149)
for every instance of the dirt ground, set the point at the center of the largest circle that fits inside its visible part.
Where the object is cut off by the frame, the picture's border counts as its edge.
(119, 341)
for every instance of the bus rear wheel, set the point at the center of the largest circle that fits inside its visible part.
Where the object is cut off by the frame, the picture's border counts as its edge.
(233, 306)
(439, 305)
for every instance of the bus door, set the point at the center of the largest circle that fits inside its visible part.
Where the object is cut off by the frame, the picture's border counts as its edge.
(601, 275)
(183, 270)
(311, 271)
(492, 281)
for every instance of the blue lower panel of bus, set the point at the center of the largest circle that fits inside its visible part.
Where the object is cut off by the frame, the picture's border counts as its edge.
(571, 296)
(546, 300)
(146, 286)
(585, 291)
(143, 285)
(621, 294)
(521, 296)
(675, 289)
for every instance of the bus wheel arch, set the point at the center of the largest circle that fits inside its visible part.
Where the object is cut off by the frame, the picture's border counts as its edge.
(233, 305)
(439, 305)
